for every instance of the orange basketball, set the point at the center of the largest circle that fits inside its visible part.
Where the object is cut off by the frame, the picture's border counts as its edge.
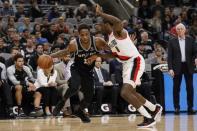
(45, 61)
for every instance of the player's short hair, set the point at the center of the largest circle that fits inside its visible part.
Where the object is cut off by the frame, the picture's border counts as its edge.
(83, 26)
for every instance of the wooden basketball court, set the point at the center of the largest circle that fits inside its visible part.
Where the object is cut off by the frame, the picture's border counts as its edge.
(169, 122)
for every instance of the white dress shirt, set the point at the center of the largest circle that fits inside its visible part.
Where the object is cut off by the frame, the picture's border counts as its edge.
(43, 80)
(182, 47)
(99, 73)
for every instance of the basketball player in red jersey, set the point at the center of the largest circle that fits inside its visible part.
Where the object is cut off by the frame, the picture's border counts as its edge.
(125, 51)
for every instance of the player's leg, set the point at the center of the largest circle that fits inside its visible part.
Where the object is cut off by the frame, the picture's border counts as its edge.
(136, 73)
(131, 73)
(75, 82)
(87, 87)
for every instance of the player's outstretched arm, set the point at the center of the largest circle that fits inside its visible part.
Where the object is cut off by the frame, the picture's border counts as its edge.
(102, 45)
(70, 49)
(117, 23)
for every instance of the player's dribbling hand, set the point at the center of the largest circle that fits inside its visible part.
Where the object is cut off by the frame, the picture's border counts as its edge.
(98, 9)
(90, 60)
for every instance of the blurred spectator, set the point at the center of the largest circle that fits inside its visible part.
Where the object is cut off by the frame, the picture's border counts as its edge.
(10, 24)
(7, 38)
(26, 25)
(39, 38)
(7, 9)
(37, 28)
(166, 24)
(45, 24)
(148, 43)
(10, 61)
(51, 34)
(103, 84)
(69, 13)
(46, 88)
(142, 50)
(33, 59)
(75, 33)
(81, 12)
(169, 12)
(144, 10)
(34, 10)
(156, 21)
(193, 29)
(3, 47)
(157, 57)
(20, 12)
(53, 13)
(24, 36)
(126, 25)
(184, 18)
(60, 42)
(63, 76)
(29, 50)
(16, 43)
(46, 48)
(2, 26)
(158, 7)
(61, 26)
(138, 27)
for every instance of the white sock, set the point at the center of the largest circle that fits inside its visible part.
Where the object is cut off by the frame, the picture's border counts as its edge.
(144, 112)
(149, 105)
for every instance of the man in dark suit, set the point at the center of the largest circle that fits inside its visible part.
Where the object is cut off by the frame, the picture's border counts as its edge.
(181, 54)
(104, 85)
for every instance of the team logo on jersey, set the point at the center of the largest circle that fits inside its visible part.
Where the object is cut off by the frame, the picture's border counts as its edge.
(86, 55)
(113, 43)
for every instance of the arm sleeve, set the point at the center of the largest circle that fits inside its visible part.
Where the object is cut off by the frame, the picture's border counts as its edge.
(12, 78)
(29, 74)
(3, 73)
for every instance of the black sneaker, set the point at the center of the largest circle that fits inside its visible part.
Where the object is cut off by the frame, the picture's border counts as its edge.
(11, 114)
(58, 108)
(83, 116)
(148, 122)
(157, 113)
(21, 112)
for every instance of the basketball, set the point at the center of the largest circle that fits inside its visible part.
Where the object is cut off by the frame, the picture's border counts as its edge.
(45, 61)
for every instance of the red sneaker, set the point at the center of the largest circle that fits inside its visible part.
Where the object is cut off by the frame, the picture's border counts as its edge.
(148, 122)
(157, 113)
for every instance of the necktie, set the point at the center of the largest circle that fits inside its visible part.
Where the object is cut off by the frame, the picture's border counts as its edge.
(100, 76)
(67, 72)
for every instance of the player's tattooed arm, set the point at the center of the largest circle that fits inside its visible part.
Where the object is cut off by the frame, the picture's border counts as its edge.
(70, 49)
(60, 53)
(102, 45)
